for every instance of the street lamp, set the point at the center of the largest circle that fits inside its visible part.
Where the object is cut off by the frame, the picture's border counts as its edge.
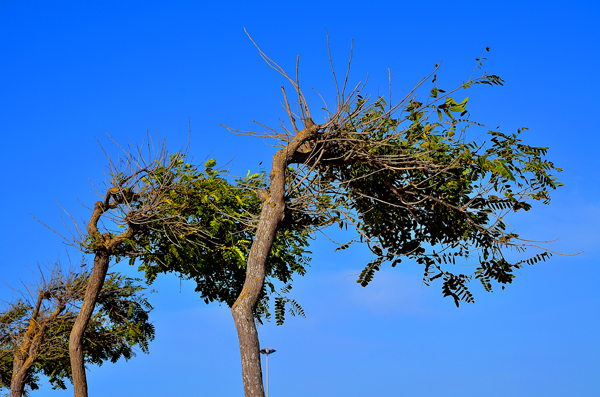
(266, 351)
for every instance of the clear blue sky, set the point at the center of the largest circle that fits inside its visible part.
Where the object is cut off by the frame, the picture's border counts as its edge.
(72, 70)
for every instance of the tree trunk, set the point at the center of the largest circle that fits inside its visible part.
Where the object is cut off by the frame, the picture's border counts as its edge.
(33, 339)
(243, 308)
(271, 215)
(17, 382)
(101, 261)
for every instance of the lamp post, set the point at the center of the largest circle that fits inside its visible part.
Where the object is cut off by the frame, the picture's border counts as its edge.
(266, 351)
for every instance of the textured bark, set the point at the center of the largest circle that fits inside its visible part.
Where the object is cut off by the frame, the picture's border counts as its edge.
(94, 287)
(20, 367)
(17, 382)
(272, 212)
(24, 359)
(33, 341)
(105, 243)
(242, 310)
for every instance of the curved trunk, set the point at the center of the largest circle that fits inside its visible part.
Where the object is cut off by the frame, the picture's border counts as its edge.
(243, 308)
(101, 261)
(271, 215)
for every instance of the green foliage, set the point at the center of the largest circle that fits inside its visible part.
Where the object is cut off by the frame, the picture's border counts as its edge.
(119, 324)
(415, 188)
(11, 321)
(221, 219)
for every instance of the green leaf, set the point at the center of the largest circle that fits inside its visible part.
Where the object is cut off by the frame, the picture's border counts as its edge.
(460, 107)
(502, 169)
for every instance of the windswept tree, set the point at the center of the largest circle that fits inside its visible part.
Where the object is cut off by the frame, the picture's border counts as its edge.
(407, 178)
(34, 329)
(172, 216)
(127, 205)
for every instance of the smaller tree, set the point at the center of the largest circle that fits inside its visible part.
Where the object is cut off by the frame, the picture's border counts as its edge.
(34, 329)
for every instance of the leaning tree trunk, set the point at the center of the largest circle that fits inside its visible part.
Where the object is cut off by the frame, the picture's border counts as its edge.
(17, 382)
(243, 308)
(272, 213)
(21, 367)
(24, 359)
(25, 356)
(101, 261)
(32, 344)
(105, 243)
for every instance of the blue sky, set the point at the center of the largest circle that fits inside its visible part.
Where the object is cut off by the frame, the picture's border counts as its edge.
(73, 70)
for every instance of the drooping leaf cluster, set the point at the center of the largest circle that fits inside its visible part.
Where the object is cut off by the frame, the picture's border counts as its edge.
(221, 218)
(121, 321)
(119, 324)
(416, 188)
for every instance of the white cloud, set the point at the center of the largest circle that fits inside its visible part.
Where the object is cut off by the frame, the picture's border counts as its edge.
(391, 292)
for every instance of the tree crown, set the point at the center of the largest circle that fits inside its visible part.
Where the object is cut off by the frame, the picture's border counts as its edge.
(46, 313)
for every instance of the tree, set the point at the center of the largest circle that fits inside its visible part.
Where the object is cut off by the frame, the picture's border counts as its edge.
(403, 175)
(34, 330)
(160, 209)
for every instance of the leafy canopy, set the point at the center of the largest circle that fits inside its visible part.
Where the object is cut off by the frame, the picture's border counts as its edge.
(405, 176)
(414, 187)
(119, 324)
(213, 251)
